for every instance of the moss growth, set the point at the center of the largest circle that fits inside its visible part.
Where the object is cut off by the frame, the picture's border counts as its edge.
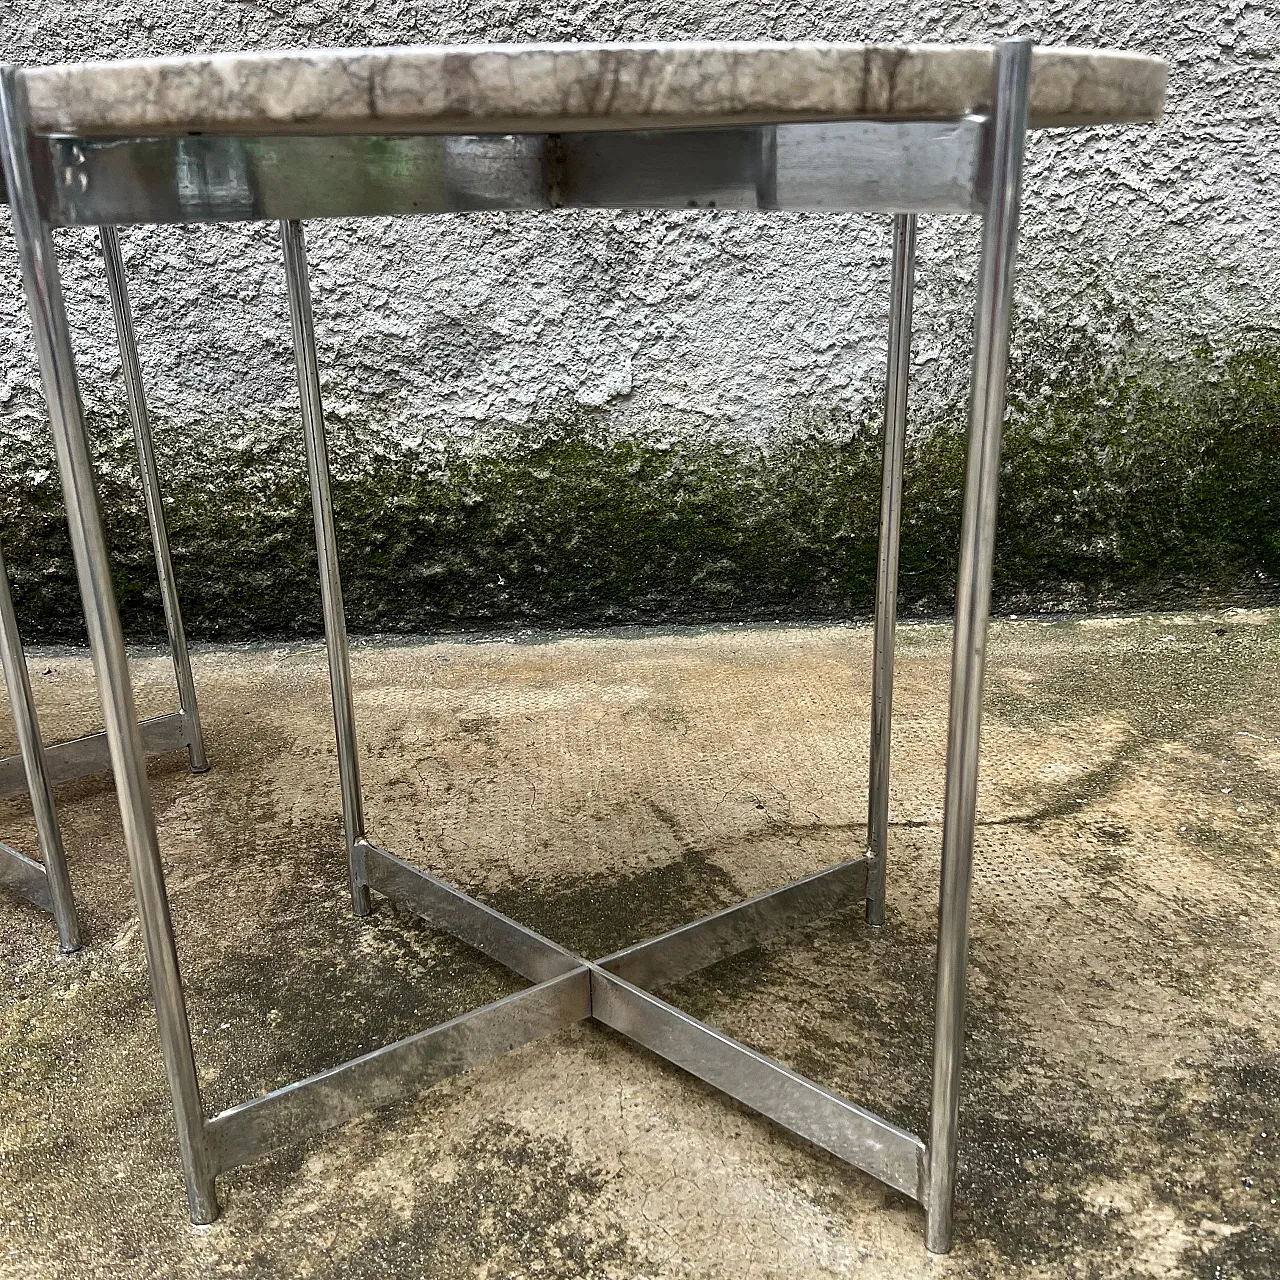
(1115, 478)
(1120, 486)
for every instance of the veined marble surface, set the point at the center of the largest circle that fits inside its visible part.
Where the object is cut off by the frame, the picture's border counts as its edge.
(544, 88)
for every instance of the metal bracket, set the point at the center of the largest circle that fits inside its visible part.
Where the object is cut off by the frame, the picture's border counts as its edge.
(79, 757)
(915, 167)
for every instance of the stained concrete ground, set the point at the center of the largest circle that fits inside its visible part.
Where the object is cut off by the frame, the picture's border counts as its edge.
(1122, 1088)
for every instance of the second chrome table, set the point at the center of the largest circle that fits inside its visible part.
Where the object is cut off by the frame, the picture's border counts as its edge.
(37, 766)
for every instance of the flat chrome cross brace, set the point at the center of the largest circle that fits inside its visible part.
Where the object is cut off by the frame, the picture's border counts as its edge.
(614, 990)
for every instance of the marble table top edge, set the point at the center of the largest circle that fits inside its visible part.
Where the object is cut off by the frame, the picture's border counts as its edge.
(550, 88)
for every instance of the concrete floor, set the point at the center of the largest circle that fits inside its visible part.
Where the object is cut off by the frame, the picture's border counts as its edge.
(1122, 1095)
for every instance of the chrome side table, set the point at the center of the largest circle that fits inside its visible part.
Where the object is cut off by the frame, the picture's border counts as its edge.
(904, 130)
(47, 883)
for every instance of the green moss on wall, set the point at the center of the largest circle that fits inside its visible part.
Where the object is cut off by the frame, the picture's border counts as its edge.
(1120, 486)
(1118, 481)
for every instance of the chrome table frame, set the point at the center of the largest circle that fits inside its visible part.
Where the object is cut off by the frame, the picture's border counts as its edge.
(36, 767)
(967, 166)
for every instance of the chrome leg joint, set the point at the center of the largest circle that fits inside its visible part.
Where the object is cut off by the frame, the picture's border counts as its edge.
(335, 621)
(1007, 136)
(139, 416)
(895, 442)
(43, 288)
(53, 890)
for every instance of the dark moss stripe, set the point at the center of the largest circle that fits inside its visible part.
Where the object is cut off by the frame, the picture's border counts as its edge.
(1121, 486)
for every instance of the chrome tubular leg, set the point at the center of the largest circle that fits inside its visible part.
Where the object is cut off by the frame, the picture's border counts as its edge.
(335, 622)
(151, 494)
(973, 598)
(39, 785)
(106, 640)
(895, 443)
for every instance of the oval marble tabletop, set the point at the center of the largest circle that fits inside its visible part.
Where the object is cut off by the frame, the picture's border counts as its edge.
(554, 88)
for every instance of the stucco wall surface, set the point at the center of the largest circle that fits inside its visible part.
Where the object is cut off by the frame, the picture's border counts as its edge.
(699, 342)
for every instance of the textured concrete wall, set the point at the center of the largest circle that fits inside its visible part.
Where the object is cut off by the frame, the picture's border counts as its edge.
(453, 342)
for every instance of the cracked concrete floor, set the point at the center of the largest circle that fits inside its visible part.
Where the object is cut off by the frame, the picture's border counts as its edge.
(1122, 1094)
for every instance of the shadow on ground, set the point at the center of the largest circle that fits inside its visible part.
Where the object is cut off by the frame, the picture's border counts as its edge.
(1122, 1090)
